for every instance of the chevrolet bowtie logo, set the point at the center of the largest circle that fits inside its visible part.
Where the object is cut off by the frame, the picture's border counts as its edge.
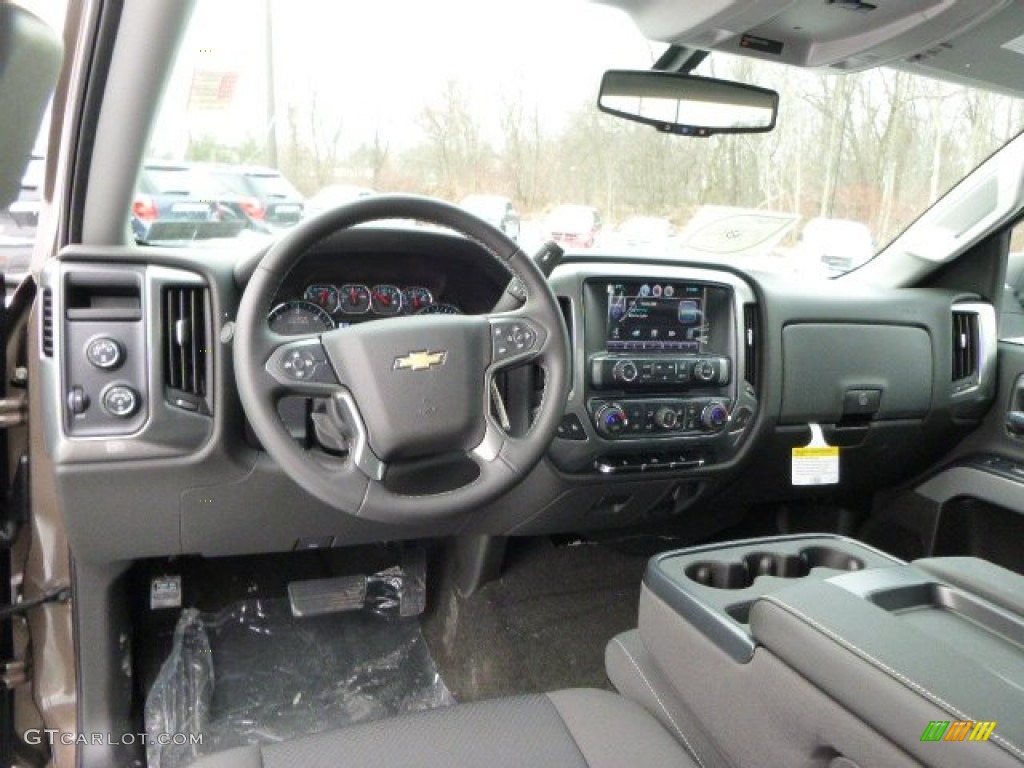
(420, 361)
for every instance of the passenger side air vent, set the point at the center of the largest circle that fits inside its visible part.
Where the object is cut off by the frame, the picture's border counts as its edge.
(750, 341)
(46, 325)
(186, 348)
(966, 343)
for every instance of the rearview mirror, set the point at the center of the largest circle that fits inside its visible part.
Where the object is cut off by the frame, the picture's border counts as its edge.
(687, 105)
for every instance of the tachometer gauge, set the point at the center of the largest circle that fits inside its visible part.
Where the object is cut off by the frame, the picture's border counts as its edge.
(385, 299)
(354, 299)
(298, 318)
(324, 296)
(415, 300)
(440, 309)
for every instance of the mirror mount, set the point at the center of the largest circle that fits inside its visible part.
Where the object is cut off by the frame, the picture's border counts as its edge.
(687, 105)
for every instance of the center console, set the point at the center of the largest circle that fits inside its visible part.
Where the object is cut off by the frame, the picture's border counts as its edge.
(823, 651)
(664, 362)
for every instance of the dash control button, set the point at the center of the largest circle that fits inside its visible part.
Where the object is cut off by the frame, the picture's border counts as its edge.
(104, 353)
(120, 401)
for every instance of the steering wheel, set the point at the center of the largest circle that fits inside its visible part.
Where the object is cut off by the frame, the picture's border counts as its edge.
(405, 388)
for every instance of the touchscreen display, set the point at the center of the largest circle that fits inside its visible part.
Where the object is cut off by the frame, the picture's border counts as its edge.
(667, 317)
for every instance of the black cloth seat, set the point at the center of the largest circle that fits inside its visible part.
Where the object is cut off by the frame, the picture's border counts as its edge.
(578, 728)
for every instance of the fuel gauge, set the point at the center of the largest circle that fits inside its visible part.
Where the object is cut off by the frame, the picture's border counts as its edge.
(324, 296)
(354, 299)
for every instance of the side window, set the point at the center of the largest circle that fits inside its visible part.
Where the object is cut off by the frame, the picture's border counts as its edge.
(1011, 321)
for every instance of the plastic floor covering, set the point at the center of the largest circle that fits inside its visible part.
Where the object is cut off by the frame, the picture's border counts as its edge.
(252, 673)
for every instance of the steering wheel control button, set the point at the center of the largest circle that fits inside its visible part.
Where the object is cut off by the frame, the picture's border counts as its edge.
(120, 401)
(303, 363)
(78, 401)
(512, 338)
(299, 364)
(105, 353)
(571, 428)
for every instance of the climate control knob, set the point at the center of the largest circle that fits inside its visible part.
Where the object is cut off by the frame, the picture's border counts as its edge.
(666, 418)
(715, 416)
(704, 370)
(625, 371)
(611, 419)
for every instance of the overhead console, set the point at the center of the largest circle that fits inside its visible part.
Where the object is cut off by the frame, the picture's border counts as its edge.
(848, 35)
(662, 379)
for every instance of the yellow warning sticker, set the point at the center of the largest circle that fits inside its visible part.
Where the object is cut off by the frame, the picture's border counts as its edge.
(817, 463)
(816, 453)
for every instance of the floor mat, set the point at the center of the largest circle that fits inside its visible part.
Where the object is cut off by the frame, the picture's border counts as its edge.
(542, 626)
(254, 674)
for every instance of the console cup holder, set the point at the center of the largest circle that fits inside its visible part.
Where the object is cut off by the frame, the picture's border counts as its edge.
(775, 564)
(740, 574)
(827, 557)
(712, 573)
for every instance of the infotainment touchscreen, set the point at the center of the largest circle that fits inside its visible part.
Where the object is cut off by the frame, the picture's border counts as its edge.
(658, 317)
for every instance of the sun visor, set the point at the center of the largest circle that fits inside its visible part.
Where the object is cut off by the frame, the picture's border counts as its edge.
(30, 60)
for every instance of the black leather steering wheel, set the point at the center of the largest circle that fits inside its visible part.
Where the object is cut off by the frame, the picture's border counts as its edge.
(405, 388)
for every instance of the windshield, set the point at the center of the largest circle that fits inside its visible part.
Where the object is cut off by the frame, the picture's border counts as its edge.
(361, 99)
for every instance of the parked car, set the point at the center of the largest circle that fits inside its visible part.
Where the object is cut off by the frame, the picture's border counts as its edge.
(334, 195)
(179, 201)
(837, 245)
(263, 195)
(496, 210)
(575, 226)
(25, 210)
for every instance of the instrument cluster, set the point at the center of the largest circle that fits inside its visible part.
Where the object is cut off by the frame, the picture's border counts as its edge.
(325, 306)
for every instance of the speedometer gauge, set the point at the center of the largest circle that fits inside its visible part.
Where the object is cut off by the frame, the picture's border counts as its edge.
(298, 318)
(324, 296)
(416, 299)
(386, 299)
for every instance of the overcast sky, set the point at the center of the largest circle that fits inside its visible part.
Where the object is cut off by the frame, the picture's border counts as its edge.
(375, 64)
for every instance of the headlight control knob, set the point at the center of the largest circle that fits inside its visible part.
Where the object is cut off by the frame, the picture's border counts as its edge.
(105, 353)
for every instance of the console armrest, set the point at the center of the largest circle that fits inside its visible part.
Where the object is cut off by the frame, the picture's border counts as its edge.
(979, 577)
(873, 639)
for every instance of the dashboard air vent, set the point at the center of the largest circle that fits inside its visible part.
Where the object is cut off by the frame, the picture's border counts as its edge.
(186, 346)
(47, 322)
(750, 340)
(966, 341)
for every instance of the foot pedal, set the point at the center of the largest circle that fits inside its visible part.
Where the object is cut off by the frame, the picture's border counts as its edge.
(316, 597)
(397, 591)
